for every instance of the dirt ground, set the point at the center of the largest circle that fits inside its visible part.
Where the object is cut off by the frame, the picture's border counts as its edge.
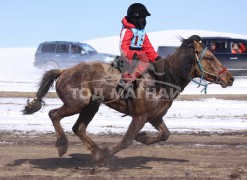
(183, 156)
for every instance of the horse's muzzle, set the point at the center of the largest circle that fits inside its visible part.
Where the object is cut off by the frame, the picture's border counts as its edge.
(225, 80)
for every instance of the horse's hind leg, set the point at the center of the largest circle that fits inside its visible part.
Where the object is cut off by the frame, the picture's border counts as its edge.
(85, 117)
(56, 115)
(162, 136)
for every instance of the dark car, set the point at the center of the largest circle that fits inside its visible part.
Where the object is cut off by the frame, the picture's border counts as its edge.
(62, 54)
(222, 48)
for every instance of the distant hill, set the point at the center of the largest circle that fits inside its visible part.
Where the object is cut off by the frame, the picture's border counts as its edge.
(169, 37)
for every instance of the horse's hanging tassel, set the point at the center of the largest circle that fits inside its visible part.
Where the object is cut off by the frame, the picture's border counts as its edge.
(33, 106)
(205, 85)
(205, 88)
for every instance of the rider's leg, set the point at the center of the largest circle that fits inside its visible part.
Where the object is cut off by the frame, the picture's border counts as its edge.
(140, 69)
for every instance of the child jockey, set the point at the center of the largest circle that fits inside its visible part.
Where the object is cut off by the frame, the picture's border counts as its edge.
(135, 44)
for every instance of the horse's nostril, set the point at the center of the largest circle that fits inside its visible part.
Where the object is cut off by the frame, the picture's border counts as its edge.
(231, 80)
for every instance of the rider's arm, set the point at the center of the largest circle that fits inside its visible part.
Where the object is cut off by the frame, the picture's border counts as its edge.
(149, 50)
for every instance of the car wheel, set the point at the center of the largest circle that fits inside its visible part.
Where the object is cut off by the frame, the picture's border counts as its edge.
(50, 65)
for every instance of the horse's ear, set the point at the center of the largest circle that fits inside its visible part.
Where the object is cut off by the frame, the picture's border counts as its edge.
(197, 46)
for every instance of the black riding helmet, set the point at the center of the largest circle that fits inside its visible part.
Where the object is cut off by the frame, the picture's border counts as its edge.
(137, 10)
(136, 14)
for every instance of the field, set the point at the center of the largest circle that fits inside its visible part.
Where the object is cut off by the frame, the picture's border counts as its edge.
(183, 156)
(209, 143)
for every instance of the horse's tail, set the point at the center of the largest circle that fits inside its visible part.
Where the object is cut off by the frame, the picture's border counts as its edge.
(46, 82)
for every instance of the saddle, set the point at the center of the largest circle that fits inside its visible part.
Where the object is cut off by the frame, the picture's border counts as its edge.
(121, 64)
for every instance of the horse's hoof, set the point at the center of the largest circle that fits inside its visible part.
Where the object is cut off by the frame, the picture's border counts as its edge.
(62, 146)
(62, 150)
(100, 154)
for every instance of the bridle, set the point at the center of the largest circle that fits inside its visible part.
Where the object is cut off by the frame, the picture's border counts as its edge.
(203, 71)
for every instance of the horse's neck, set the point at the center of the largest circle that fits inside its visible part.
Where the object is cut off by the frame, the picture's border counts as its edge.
(175, 70)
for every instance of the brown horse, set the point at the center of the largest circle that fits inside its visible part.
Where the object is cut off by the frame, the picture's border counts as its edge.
(84, 87)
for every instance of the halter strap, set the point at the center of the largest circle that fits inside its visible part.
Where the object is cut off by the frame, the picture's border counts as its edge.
(224, 69)
(206, 72)
(205, 85)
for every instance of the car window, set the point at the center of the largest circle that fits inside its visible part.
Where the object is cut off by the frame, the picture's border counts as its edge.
(238, 47)
(61, 48)
(218, 46)
(48, 48)
(75, 49)
(88, 48)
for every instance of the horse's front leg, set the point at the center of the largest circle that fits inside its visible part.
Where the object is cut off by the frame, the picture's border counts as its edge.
(148, 139)
(135, 126)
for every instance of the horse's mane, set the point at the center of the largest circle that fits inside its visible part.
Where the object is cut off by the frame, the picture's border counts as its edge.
(175, 68)
(189, 42)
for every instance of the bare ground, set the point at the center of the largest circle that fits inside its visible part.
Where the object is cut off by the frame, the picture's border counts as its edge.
(183, 156)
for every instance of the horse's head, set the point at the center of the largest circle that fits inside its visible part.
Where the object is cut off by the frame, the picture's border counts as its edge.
(207, 66)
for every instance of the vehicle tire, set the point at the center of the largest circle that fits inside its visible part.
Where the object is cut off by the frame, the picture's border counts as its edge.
(50, 65)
